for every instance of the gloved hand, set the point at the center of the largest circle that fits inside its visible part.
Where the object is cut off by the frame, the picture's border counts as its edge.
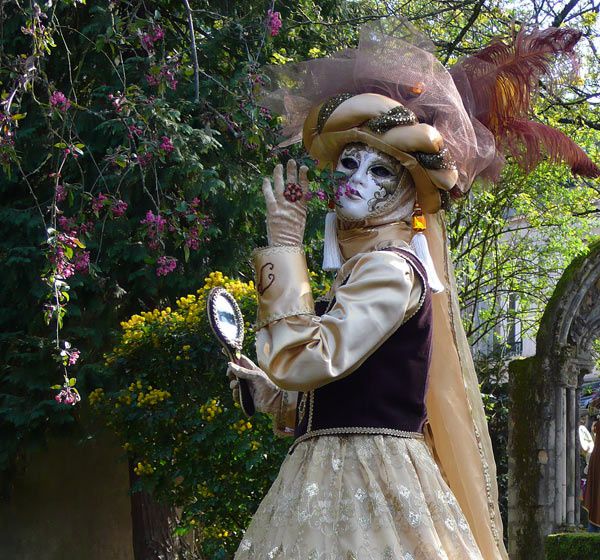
(286, 206)
(265, 394)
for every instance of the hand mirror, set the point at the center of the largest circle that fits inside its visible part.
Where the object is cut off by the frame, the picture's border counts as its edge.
(586, 440)
(227, 322)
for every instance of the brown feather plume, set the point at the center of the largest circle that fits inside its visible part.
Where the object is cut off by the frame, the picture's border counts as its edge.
(500, 84)
(528, 141)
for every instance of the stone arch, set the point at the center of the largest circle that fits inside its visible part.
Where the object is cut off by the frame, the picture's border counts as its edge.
(544, 411)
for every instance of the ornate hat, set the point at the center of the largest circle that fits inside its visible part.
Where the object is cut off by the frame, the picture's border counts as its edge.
(387, 125)
(448, 127)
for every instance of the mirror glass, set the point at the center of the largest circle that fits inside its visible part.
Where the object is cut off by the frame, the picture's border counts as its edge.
(226, 319)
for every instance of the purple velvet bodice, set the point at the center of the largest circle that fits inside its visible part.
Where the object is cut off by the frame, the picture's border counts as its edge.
(387, 391)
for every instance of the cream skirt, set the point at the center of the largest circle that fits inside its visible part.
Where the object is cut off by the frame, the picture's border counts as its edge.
(359, 498)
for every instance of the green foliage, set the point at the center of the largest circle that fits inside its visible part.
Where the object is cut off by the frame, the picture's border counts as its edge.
(122, 104)
(494, 392)
(572, 546)
(514, 239)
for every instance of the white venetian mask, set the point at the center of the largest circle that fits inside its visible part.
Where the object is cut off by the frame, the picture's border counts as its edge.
(372, 179)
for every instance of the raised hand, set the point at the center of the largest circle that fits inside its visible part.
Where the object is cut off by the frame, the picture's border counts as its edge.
(286, 205)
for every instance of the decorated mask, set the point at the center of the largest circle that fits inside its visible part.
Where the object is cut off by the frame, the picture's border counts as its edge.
(372, 185)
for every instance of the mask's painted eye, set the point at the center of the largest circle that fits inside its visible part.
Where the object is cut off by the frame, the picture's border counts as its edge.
(349, 163)
(381, 171)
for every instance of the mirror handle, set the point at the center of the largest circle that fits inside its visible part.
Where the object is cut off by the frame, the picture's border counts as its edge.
(246, 401)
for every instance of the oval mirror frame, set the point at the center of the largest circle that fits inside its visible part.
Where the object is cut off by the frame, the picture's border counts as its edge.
(224, 314)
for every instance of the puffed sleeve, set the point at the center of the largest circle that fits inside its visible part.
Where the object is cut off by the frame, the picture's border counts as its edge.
(300, 351)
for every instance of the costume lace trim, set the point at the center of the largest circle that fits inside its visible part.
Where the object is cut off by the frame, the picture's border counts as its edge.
(306, 310)
(400, 252)
(354, 430)
(484, 464)
(277, 249)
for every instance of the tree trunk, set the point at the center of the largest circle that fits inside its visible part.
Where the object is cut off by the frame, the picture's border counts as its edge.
(152, 526)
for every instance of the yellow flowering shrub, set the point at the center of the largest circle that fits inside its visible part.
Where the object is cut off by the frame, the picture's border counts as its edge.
(188, 314)
(143, 468)
(209, 410)
(171, 404)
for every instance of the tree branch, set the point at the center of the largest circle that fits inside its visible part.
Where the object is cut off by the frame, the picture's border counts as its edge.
(463, 31)
(579, 121)
(188, 9)
(559, 18)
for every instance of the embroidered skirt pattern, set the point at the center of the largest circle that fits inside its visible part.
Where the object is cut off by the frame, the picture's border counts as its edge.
(359, 497)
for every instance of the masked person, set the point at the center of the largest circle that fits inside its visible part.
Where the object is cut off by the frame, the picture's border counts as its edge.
(391, 458)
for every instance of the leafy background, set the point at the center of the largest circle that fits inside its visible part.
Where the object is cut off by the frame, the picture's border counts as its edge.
(116, 64)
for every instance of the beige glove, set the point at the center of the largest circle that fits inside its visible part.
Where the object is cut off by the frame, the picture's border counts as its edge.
(265, 393)
(286, 206)
(267, 397)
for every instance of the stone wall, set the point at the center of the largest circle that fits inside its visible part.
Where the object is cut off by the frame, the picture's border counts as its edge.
(71, 503)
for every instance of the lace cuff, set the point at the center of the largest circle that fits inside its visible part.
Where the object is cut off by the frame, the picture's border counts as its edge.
(282, 283)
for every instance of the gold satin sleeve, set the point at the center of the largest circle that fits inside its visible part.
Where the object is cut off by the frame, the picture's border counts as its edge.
(303, 352)
(282, 283)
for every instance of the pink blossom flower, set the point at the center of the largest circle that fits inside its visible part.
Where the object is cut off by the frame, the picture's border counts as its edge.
(166, 145)
(67, 395)
(193, 239)
(158, 222)
(68, 239)
(134, 130)
(152, 80)
(144, 159)
(148, 39)
(117, 101)
(147, 42)
(344, 189)
(318, 194)
(82, 262)
(64, 268)
(59, 101)
(73, 357)
(119, 208)
(98, 202)
(273, 22)
(61, 193)
(165, 73)
(155, 226)
(158, 33)
(64, 223)
(86, 227)
(166, 265)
